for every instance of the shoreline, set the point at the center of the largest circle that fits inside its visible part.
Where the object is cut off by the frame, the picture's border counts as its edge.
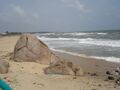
(84, 55)
(90, 65)
(35, 79)
(83, 61)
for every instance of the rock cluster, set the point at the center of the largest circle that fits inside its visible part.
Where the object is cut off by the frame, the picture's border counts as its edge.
(4, 66)
(114, 75)
(64, 68)
(29, 48)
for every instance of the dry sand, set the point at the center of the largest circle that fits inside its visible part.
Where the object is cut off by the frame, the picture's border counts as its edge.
(30, 76)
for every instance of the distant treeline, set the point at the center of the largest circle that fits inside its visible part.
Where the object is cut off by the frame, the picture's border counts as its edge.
(18, 33)
(12, 33)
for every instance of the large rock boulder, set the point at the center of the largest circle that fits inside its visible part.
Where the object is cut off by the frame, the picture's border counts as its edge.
(4, 66)
(64, 68)
(30, 48)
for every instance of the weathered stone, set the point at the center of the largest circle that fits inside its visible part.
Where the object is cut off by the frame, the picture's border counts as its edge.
(59, 68)
(4, 66)
(108, 73)
(94, 74)
(117, 81)
(30, 48)
(111, 78)
(76, 69)
(64, 68)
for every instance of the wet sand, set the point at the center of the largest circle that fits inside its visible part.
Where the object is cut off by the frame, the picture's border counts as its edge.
(90, 65)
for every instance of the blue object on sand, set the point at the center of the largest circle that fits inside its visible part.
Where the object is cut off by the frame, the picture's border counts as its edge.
(4, 85)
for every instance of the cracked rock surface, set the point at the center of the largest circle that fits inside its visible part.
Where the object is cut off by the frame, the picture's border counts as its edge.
(30, 48)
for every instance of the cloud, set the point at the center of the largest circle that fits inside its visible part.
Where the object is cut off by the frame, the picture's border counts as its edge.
(36, 15)
(18, 18)
(18, 10)
(22, 15)
(76, 4)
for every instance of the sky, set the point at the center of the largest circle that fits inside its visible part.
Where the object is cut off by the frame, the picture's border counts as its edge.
(59, 15)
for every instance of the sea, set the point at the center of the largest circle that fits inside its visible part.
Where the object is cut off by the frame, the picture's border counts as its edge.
(103, 45)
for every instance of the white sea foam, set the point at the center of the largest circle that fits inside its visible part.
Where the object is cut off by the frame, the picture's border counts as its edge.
(100, 42)
(77, 34)
(82, 33)
(54, 39)
(110, 59)
(73, 34)
(46, 33)
(89, 41)
(102, 33)
(61, 38)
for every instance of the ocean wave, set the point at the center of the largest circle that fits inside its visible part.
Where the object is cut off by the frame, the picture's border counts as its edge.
(46, 33)
(88, 41)
(77, 34)
(102, 33)
(100, 42)
(110, 59)
(61, 38)
(82, 33)
(72, 34)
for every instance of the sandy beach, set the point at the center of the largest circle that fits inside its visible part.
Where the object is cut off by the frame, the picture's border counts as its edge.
(30, 75)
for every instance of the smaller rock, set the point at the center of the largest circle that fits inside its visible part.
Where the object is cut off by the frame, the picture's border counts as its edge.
(117, 81)
(108, 73)
(59, 68)
(76, 69)
(94, 74)
(4, 66)
(9, 81)
(64, 68)
(34, 83)
(5, 77)
(106, 79)
(118, 68)
(117, 72)
(111, 78)
(99, 85)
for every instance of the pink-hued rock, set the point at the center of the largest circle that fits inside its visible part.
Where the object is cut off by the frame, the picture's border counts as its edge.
(30, 48)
